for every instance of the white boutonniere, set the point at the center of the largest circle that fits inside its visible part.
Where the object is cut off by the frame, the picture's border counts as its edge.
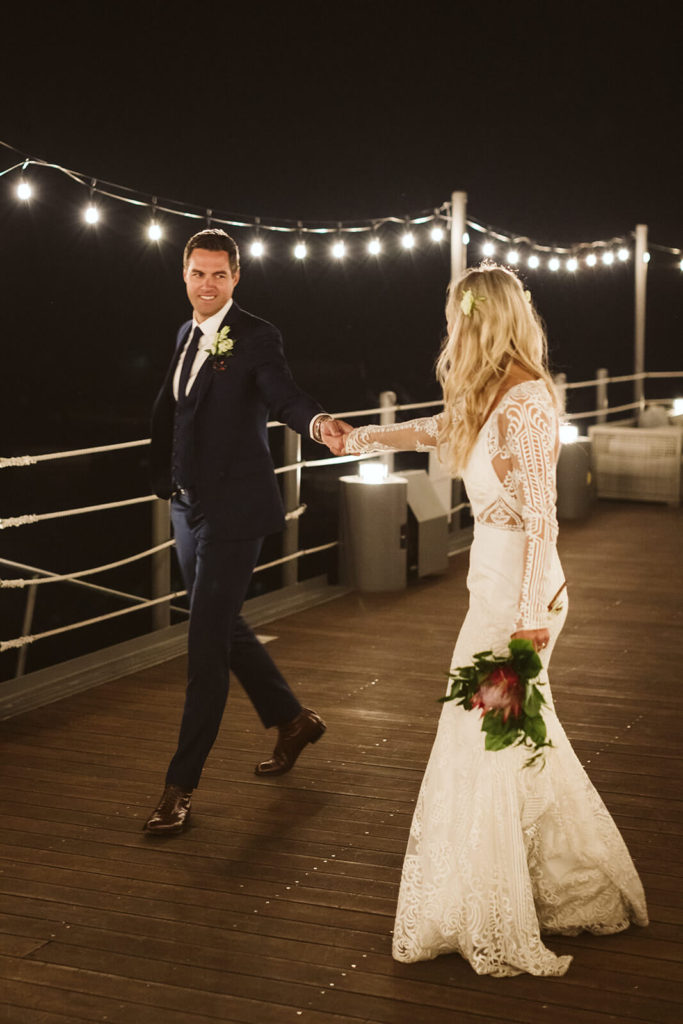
(223, 347)
(470, 301)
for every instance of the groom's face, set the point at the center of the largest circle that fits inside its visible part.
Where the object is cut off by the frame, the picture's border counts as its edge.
(209, 282)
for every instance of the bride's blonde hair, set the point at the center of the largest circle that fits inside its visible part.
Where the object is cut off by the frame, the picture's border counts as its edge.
(491, 324)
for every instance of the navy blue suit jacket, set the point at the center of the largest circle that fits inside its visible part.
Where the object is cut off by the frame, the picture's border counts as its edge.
(234, 474)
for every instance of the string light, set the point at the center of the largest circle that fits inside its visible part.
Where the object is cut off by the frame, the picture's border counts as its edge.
(646, 257)
(524, 249)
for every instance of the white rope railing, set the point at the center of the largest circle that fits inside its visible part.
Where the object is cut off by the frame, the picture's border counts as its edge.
(23, 641)
(10, 584)
(17, 461)
(31, 460)
(27, 520)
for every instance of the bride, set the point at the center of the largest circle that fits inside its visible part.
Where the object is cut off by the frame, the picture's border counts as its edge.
(499, 853)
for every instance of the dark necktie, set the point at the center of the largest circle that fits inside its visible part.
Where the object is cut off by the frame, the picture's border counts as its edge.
(188, 362)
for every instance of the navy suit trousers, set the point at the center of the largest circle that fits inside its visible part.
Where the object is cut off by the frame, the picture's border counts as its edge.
(216, 573)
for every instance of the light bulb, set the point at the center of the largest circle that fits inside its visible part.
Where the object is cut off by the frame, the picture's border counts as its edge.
(533, 262)
(553, 263)
(591, 259)
(623, 255)
(513, 256)
(436, 234)
(257, 248)
(339, 250)
(646, 257)
(91, 214)
(466, 238)
(300, 250)
(408, 240)
(488, 248)
(154, 232)
(24, 190)
(572, 263)
(568, 433)
(374, 246)
(608, 258)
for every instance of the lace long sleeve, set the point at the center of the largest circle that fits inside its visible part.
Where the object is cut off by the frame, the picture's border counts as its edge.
(528, 429)
(418, 435)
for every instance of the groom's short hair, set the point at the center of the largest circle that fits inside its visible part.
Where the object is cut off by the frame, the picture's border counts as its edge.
(216, 240)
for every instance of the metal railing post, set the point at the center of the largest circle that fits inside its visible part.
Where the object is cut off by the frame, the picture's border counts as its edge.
(387, 401)
(640, 303)
(601, 399)
(292, 498)
(161, 563)
(26, 626)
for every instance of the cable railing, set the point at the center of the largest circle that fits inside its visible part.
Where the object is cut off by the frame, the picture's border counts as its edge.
(32, 578)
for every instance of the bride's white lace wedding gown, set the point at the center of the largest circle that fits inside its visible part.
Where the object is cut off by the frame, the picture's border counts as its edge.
(499, 853)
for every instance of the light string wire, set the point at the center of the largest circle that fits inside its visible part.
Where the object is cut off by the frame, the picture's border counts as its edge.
(135, 197)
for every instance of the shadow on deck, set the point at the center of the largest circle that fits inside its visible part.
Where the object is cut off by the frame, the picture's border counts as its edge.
(276, 907)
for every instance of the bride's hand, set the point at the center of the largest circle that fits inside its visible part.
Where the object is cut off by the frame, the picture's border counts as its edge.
(540, 638)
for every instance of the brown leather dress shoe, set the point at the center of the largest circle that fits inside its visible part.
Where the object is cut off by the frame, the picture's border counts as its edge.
(293, 736)
(172, 813)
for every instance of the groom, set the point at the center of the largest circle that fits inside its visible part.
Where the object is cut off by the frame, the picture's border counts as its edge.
(210, 454)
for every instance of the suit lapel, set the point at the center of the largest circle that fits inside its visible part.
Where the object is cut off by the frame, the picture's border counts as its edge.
(205, 376)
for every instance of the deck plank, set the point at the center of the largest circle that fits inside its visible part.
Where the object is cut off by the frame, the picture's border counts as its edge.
(277, 905)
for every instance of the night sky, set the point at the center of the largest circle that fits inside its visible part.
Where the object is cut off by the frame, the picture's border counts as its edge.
(562, 126)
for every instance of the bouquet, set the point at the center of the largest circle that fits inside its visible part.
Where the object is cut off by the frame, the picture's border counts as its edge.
(506, 690)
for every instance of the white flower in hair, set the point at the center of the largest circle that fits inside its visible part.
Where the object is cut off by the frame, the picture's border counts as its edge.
(470, 301)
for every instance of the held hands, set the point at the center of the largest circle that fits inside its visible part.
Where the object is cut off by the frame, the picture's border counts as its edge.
(540, 638)
(333, 434)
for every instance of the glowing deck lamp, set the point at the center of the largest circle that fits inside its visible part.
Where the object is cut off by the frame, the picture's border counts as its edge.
(678, 407)
(372, 472)
(24, 190)
(568, 433)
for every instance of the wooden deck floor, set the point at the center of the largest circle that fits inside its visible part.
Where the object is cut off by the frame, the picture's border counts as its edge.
(277, 906)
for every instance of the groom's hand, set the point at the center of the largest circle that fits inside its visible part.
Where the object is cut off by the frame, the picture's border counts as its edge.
(333, 434)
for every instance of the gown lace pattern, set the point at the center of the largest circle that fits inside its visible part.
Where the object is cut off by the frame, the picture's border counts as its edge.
(499, 854)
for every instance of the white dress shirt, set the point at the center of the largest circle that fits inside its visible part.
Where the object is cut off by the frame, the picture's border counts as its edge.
(209, 329)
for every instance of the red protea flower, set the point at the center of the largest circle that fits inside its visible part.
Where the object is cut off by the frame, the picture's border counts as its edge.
(502, 690)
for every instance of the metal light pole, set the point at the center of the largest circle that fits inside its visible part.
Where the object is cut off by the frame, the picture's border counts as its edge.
(641, 288)
(458, 229)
